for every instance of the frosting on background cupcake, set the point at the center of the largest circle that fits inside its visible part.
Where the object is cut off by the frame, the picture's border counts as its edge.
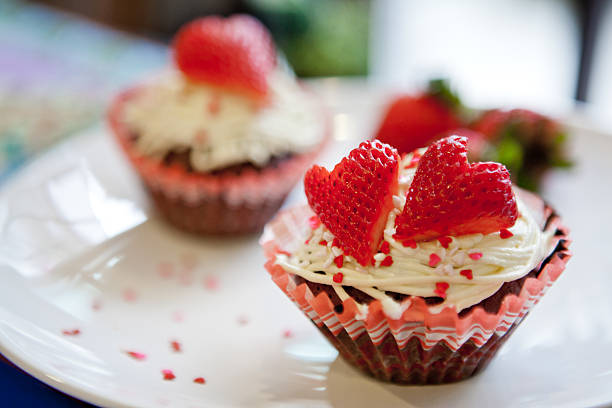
(221, 128)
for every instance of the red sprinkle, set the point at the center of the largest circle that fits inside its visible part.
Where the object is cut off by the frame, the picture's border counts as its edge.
(441, 288)
(410, 243)
(467, 273)
(136, 355)
(176, 346)
(339, 261)
(336, 242)
(168, 375)
(287, 334)
(338, 277)
(475, 255)
(385, 248)
(388, 261)
(444, 241)
(314, 222)
(307, 241)
(199, 380)
(323, 242)
(504, 234)
(73, 332)
(434, 259)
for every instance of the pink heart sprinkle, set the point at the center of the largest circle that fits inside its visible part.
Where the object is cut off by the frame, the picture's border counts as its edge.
(211, 283)
(475, 255)
(178, 316)
(287, 334)
(129, 295)
(243, 320)
(136, 355)
(434, 259)
(168, 375)
(314, 222)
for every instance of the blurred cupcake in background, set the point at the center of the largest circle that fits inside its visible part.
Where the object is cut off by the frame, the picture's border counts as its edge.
(221, 139)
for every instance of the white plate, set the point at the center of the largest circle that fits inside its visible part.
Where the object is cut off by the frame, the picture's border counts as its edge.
(80, 250)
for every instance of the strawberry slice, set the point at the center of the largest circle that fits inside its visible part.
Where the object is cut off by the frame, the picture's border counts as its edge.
(236, 53)
(354, 199)
(449, 196)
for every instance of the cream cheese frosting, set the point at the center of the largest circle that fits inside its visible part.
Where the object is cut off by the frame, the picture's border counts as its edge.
(491, 260)
(223, 128)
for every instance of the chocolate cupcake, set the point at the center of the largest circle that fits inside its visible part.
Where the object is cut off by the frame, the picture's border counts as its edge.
(438, 264)
(220, 141)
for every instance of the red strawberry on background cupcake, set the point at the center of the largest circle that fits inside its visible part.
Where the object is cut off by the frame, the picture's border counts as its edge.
(221, 137)
(239, 53)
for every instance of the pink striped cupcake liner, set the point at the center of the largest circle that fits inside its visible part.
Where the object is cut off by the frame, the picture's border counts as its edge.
(420, 347)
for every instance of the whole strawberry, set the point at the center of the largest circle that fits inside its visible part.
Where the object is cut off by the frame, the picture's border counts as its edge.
(527, 142)
(353, 201)
(450, 196)
(414, 121)
(235, 53)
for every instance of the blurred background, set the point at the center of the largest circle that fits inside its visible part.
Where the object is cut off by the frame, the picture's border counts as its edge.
(61, 60)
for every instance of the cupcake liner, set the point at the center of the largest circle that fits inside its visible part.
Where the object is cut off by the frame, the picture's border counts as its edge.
(420, 346)
(246, 200)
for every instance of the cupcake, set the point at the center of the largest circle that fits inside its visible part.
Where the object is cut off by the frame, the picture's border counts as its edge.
(416, 268)
(220, 139)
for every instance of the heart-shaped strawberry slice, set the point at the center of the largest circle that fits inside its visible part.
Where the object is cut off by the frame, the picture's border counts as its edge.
(449, 196)
(236, 53)
(354, 199)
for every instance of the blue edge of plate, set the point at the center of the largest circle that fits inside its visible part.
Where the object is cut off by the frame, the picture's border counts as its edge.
(19, 389)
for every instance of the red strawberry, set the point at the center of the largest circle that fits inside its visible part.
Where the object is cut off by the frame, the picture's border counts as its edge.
(354, 199)
(449, 196)
(415, 121)
(236, 53)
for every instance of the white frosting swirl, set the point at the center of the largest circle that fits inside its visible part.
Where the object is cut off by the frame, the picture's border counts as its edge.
(223, 128)
(502, 260)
